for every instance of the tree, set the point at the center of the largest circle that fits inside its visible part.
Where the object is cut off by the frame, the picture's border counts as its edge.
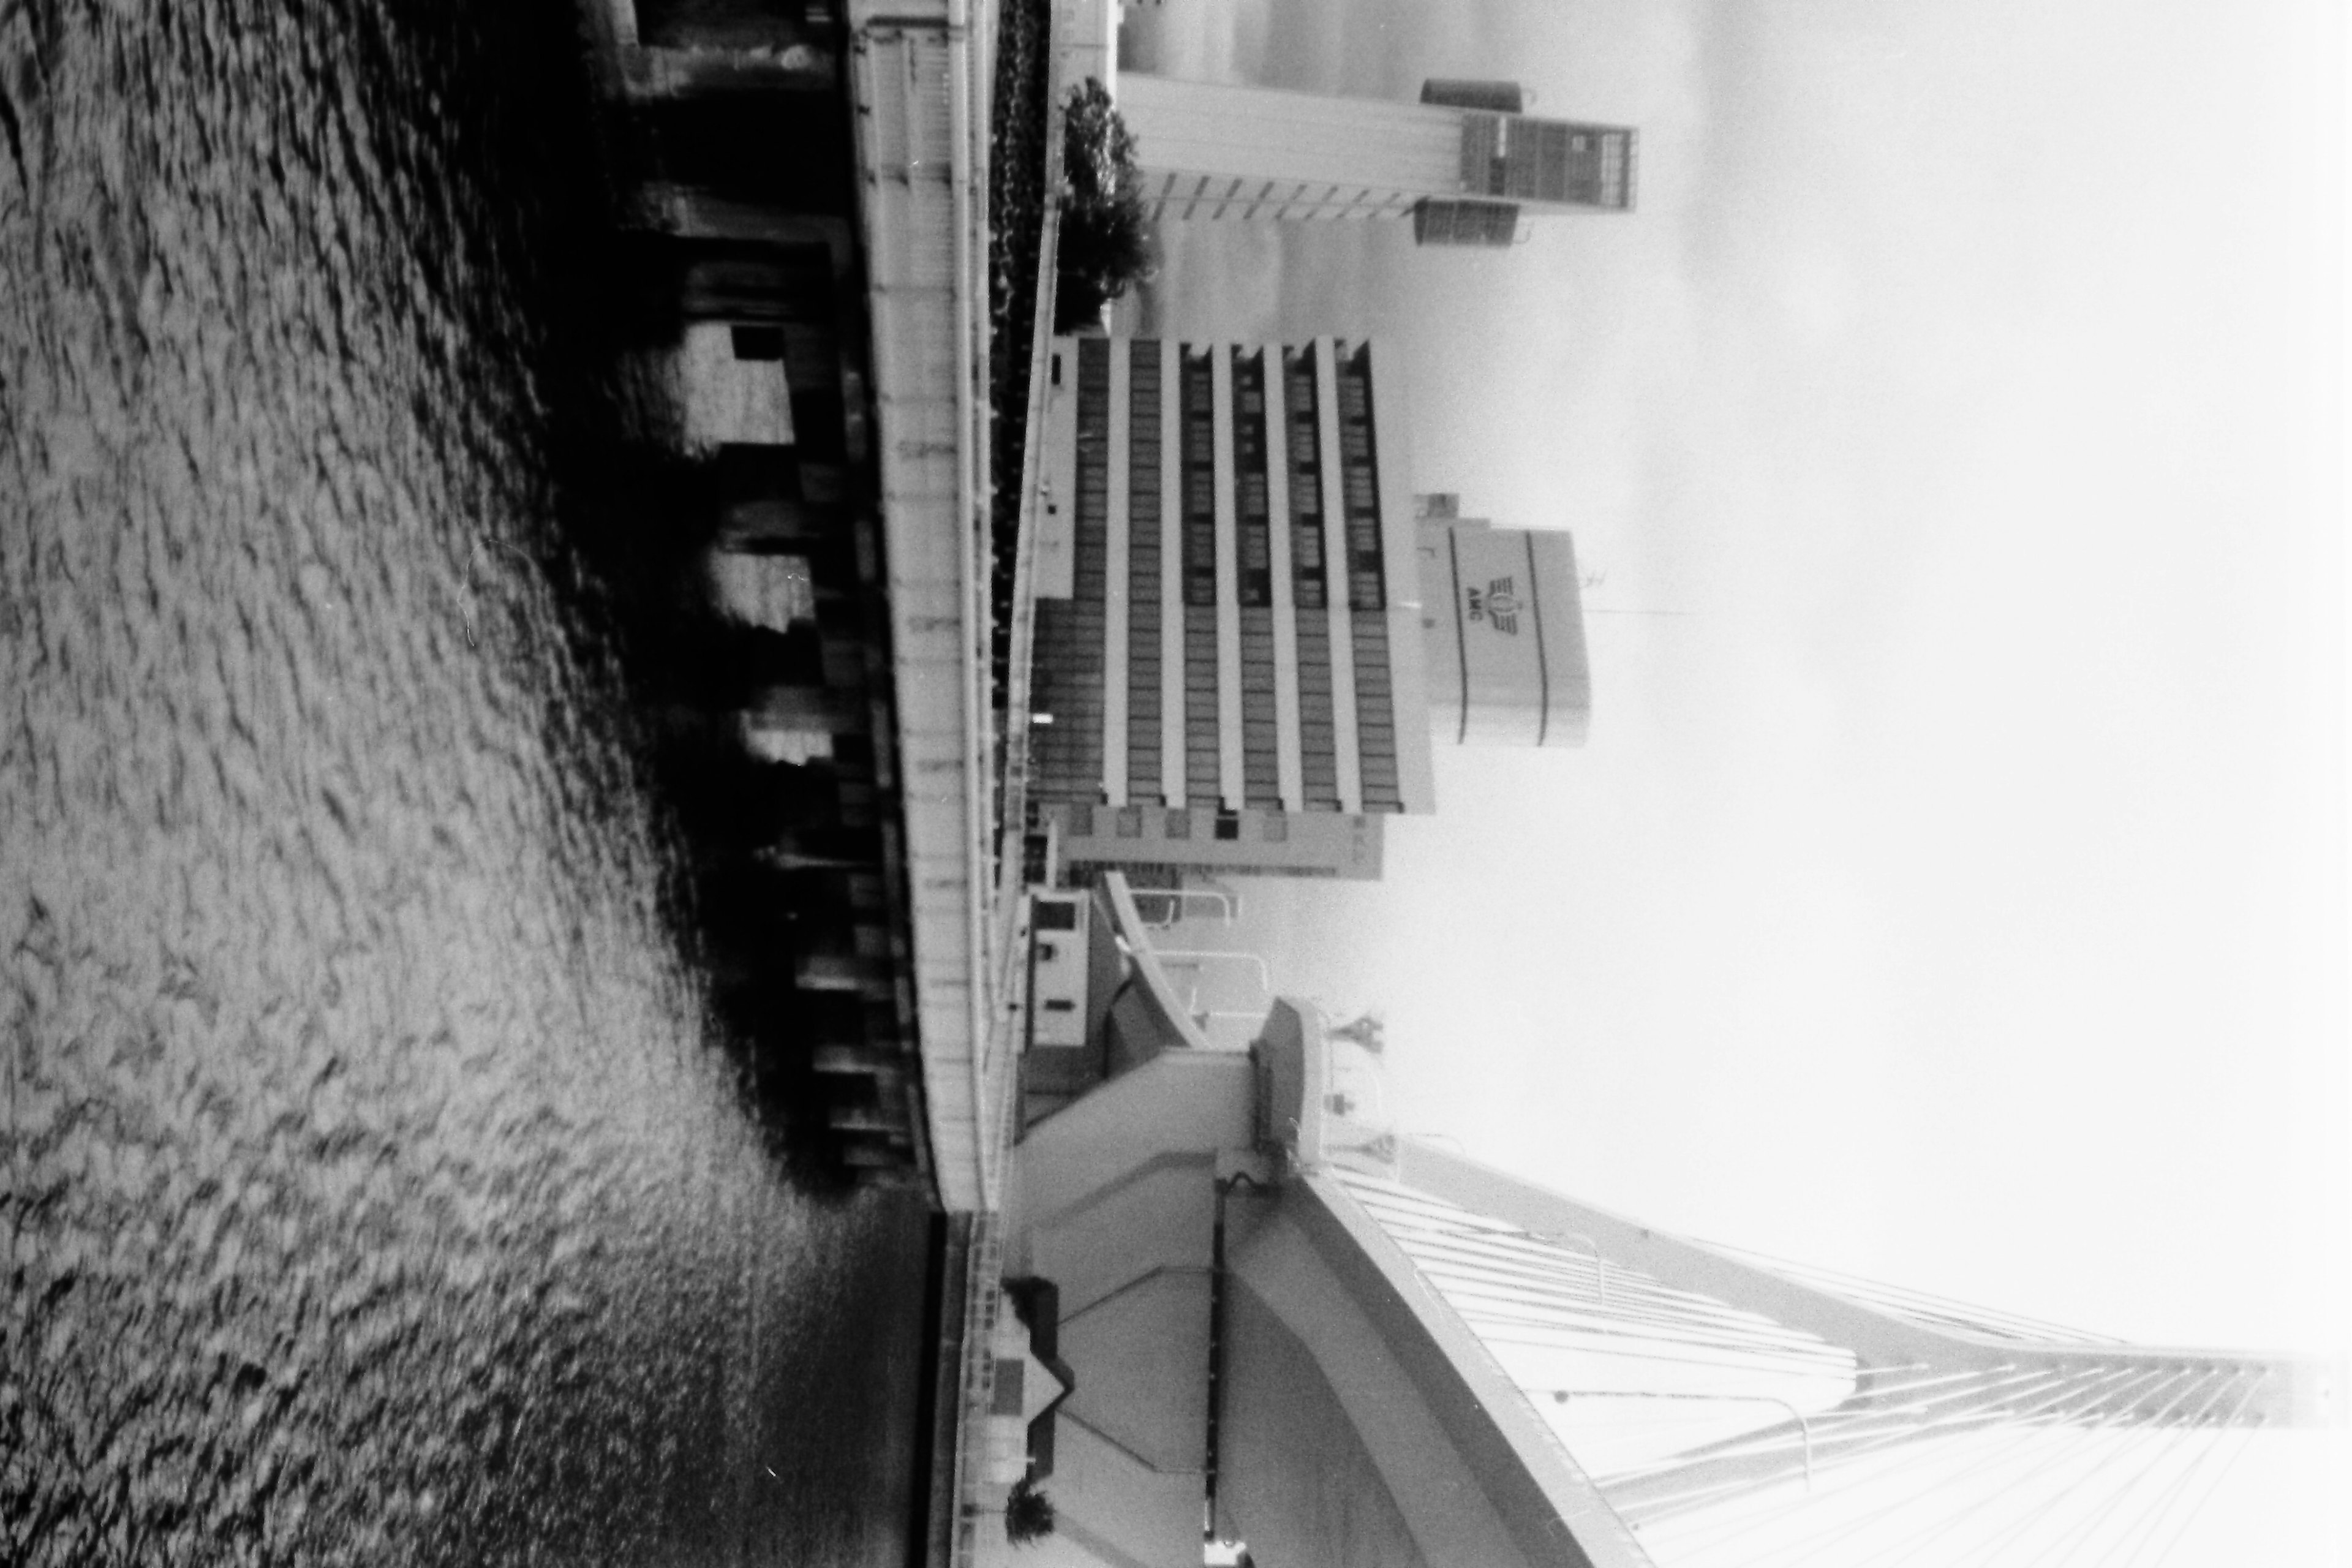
(1028, 1514)
(1106, 235)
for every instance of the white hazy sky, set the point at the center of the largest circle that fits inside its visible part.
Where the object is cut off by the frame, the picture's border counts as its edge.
(1952, 888)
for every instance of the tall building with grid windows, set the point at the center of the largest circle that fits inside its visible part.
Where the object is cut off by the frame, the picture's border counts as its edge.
(1239, 610)
(1465, 164)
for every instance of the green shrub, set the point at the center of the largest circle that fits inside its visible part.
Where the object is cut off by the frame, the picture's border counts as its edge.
(1105, 244)
(1028, 1514)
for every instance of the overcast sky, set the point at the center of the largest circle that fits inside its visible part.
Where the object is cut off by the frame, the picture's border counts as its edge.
(1951, 889)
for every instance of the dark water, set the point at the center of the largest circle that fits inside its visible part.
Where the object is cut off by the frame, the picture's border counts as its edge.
(373, 1190)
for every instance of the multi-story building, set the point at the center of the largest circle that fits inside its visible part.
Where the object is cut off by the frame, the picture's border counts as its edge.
(1243, 641)
(1463, 163)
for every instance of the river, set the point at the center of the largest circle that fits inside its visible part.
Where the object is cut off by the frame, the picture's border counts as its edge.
(378, 1189)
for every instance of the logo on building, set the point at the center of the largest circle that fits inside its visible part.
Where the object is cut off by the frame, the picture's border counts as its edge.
(1498, 603)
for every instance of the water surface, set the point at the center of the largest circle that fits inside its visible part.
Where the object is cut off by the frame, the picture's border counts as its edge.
(373, 1191)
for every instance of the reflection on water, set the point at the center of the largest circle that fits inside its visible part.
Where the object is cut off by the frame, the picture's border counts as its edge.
(371, 1193)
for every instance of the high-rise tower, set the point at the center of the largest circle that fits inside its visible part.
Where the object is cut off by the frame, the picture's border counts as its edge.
(1465, 164)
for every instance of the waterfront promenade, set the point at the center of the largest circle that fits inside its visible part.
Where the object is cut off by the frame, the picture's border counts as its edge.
(918, 77)
(919, 80)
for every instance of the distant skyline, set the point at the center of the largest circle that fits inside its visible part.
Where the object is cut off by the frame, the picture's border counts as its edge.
(1953, 891)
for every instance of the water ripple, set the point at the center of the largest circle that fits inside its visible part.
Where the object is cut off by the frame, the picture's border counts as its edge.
(372, 1194)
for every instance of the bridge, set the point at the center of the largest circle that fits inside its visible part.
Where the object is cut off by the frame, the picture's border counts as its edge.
(1288, 1328)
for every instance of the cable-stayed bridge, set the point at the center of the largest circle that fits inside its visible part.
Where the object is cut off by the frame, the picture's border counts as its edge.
(1734, 1409)
(1412, 1359)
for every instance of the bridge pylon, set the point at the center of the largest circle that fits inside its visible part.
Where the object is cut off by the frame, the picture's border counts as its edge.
(1702, 1404)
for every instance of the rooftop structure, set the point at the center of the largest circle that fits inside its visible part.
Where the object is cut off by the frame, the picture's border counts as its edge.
(1465, 164)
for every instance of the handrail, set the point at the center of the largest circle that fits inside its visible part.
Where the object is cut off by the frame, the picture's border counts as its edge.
(966, 1162)
(1199, 955)
(1177, 896)
(1128, 923)
(975, 715)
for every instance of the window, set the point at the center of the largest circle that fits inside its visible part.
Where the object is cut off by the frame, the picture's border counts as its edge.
(1007, 1397)
(1229, 827)
(1056, 916)
(1061, 1004)
(759, 343)
(1180, 825)
(1128, 823)
(1277, 830)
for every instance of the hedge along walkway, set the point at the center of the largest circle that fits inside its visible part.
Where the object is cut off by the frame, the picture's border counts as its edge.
(1024, 160)
(1022, 330)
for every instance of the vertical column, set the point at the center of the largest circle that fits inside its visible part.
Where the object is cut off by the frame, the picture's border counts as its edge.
(1285, 612)
(1400, 549)
(1229, 603)
(1171, 571)
(1143, 578)
(1115, 588)
(1335, 576)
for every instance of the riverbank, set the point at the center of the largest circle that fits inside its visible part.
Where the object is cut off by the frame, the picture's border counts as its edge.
(935, 243)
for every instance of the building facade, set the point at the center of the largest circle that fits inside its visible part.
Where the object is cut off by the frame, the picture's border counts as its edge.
(1463, 163)
(1249, 635)
(1228, 615)
(1157, 844)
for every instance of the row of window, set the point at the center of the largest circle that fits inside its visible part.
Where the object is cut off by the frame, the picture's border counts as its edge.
(1317, 734)
(1066, 757)
(1128, 822)
(1143, 562)
(1376, 741)
(1317, 740)
(1202, 733)
(1304, 429)
(1068, 754)
(1198, 459)
(1359, 484)
(1359, 488)
(1547, 160)
(1253, 581)
(1261, 729)
(1260, 722)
